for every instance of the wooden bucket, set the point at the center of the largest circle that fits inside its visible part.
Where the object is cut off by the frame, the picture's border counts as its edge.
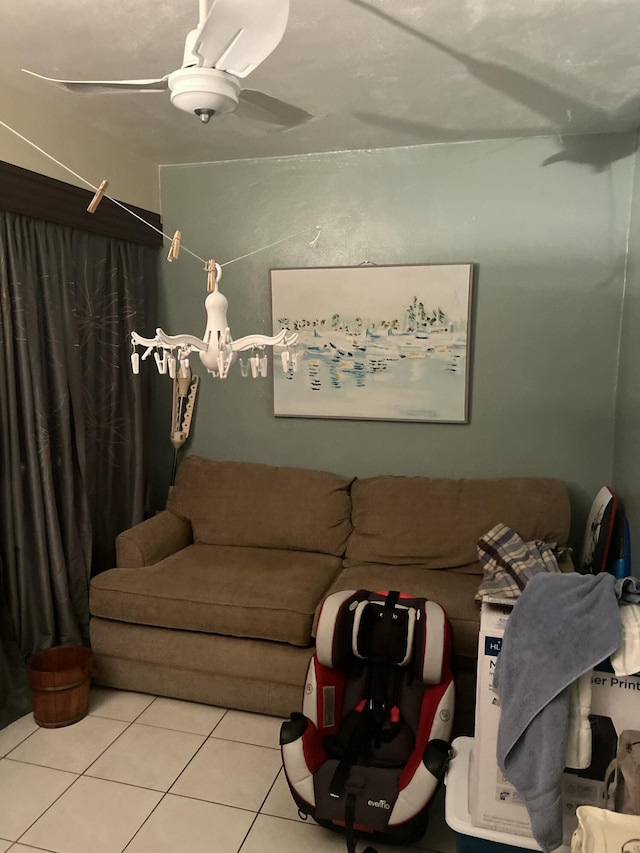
(60, 678)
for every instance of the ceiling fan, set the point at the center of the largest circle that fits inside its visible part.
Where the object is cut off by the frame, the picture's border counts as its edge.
(232, 38)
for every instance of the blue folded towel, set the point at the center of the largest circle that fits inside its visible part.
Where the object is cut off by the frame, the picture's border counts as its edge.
(561, 626)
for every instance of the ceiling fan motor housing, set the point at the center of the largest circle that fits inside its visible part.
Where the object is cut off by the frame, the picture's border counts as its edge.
(198, 90)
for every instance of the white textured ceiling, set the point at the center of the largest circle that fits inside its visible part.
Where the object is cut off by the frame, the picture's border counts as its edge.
(378, 73)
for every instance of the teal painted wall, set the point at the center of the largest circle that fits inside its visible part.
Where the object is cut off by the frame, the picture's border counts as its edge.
(549, 244)
(626, 477)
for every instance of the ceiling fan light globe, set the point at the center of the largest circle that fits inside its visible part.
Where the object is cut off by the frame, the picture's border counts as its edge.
(196, 90)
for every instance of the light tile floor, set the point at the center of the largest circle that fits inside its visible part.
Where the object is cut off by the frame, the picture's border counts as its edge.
(145, 774)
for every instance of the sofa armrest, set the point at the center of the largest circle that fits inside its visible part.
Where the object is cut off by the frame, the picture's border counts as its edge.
(152, 540)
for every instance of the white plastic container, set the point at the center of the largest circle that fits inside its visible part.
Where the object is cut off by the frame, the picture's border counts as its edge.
(470, 838)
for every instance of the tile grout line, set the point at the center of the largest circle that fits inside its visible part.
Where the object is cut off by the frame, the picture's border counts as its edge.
(130, 841)
(25, 738)
(140, 787)
(259, 812)
(226, 805)
(243, 742)
(197, 751)
(128, 724)
(77, 775)
(166, 793)
(223, 740)
(100, 778)
(116, 738)
(126, 729)
(248, 832)
(15, 843)
(84, 772)
(213, 802)
(42, 814)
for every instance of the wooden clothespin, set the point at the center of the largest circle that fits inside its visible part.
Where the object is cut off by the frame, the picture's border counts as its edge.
(174, 249)
(95, 201)
(211, 276)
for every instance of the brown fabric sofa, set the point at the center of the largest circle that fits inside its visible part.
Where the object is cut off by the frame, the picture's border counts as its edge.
(214, 599)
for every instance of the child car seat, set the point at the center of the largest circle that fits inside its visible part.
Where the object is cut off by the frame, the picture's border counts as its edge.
(368, 752)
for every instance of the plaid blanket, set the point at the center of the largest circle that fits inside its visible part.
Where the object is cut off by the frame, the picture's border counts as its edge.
(509, 563)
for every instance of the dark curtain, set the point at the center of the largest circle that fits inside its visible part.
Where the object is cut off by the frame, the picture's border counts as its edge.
(15, 699)
(72, 462)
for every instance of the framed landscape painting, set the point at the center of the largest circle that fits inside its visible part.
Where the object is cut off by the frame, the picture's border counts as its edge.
(374, 342)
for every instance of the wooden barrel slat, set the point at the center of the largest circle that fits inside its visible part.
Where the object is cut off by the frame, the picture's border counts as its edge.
(59, 678)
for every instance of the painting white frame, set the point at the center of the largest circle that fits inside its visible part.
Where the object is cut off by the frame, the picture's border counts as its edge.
(375, 342)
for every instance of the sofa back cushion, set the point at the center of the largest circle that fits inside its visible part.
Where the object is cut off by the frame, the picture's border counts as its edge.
(260, 506)
(436, 523)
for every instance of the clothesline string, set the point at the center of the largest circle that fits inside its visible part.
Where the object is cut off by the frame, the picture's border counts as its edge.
(93, 187)
(282, 240)
(168, 237)
(144, 221)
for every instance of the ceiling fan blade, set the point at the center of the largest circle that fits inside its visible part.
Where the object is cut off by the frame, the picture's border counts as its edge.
(105, 85)
(261, 107)
(238, 35)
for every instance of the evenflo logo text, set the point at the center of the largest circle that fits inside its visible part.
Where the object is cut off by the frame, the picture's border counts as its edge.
(379, 804)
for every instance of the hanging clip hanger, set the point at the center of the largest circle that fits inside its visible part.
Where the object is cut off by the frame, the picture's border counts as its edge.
(214, 274)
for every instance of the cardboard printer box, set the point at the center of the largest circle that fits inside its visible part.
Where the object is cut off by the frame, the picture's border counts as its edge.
(493, 801)
(615, 707)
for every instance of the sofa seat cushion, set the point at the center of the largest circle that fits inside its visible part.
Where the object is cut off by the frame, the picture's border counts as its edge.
(242, 592)
(453, 590)
(435, 523)
(262, 506)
